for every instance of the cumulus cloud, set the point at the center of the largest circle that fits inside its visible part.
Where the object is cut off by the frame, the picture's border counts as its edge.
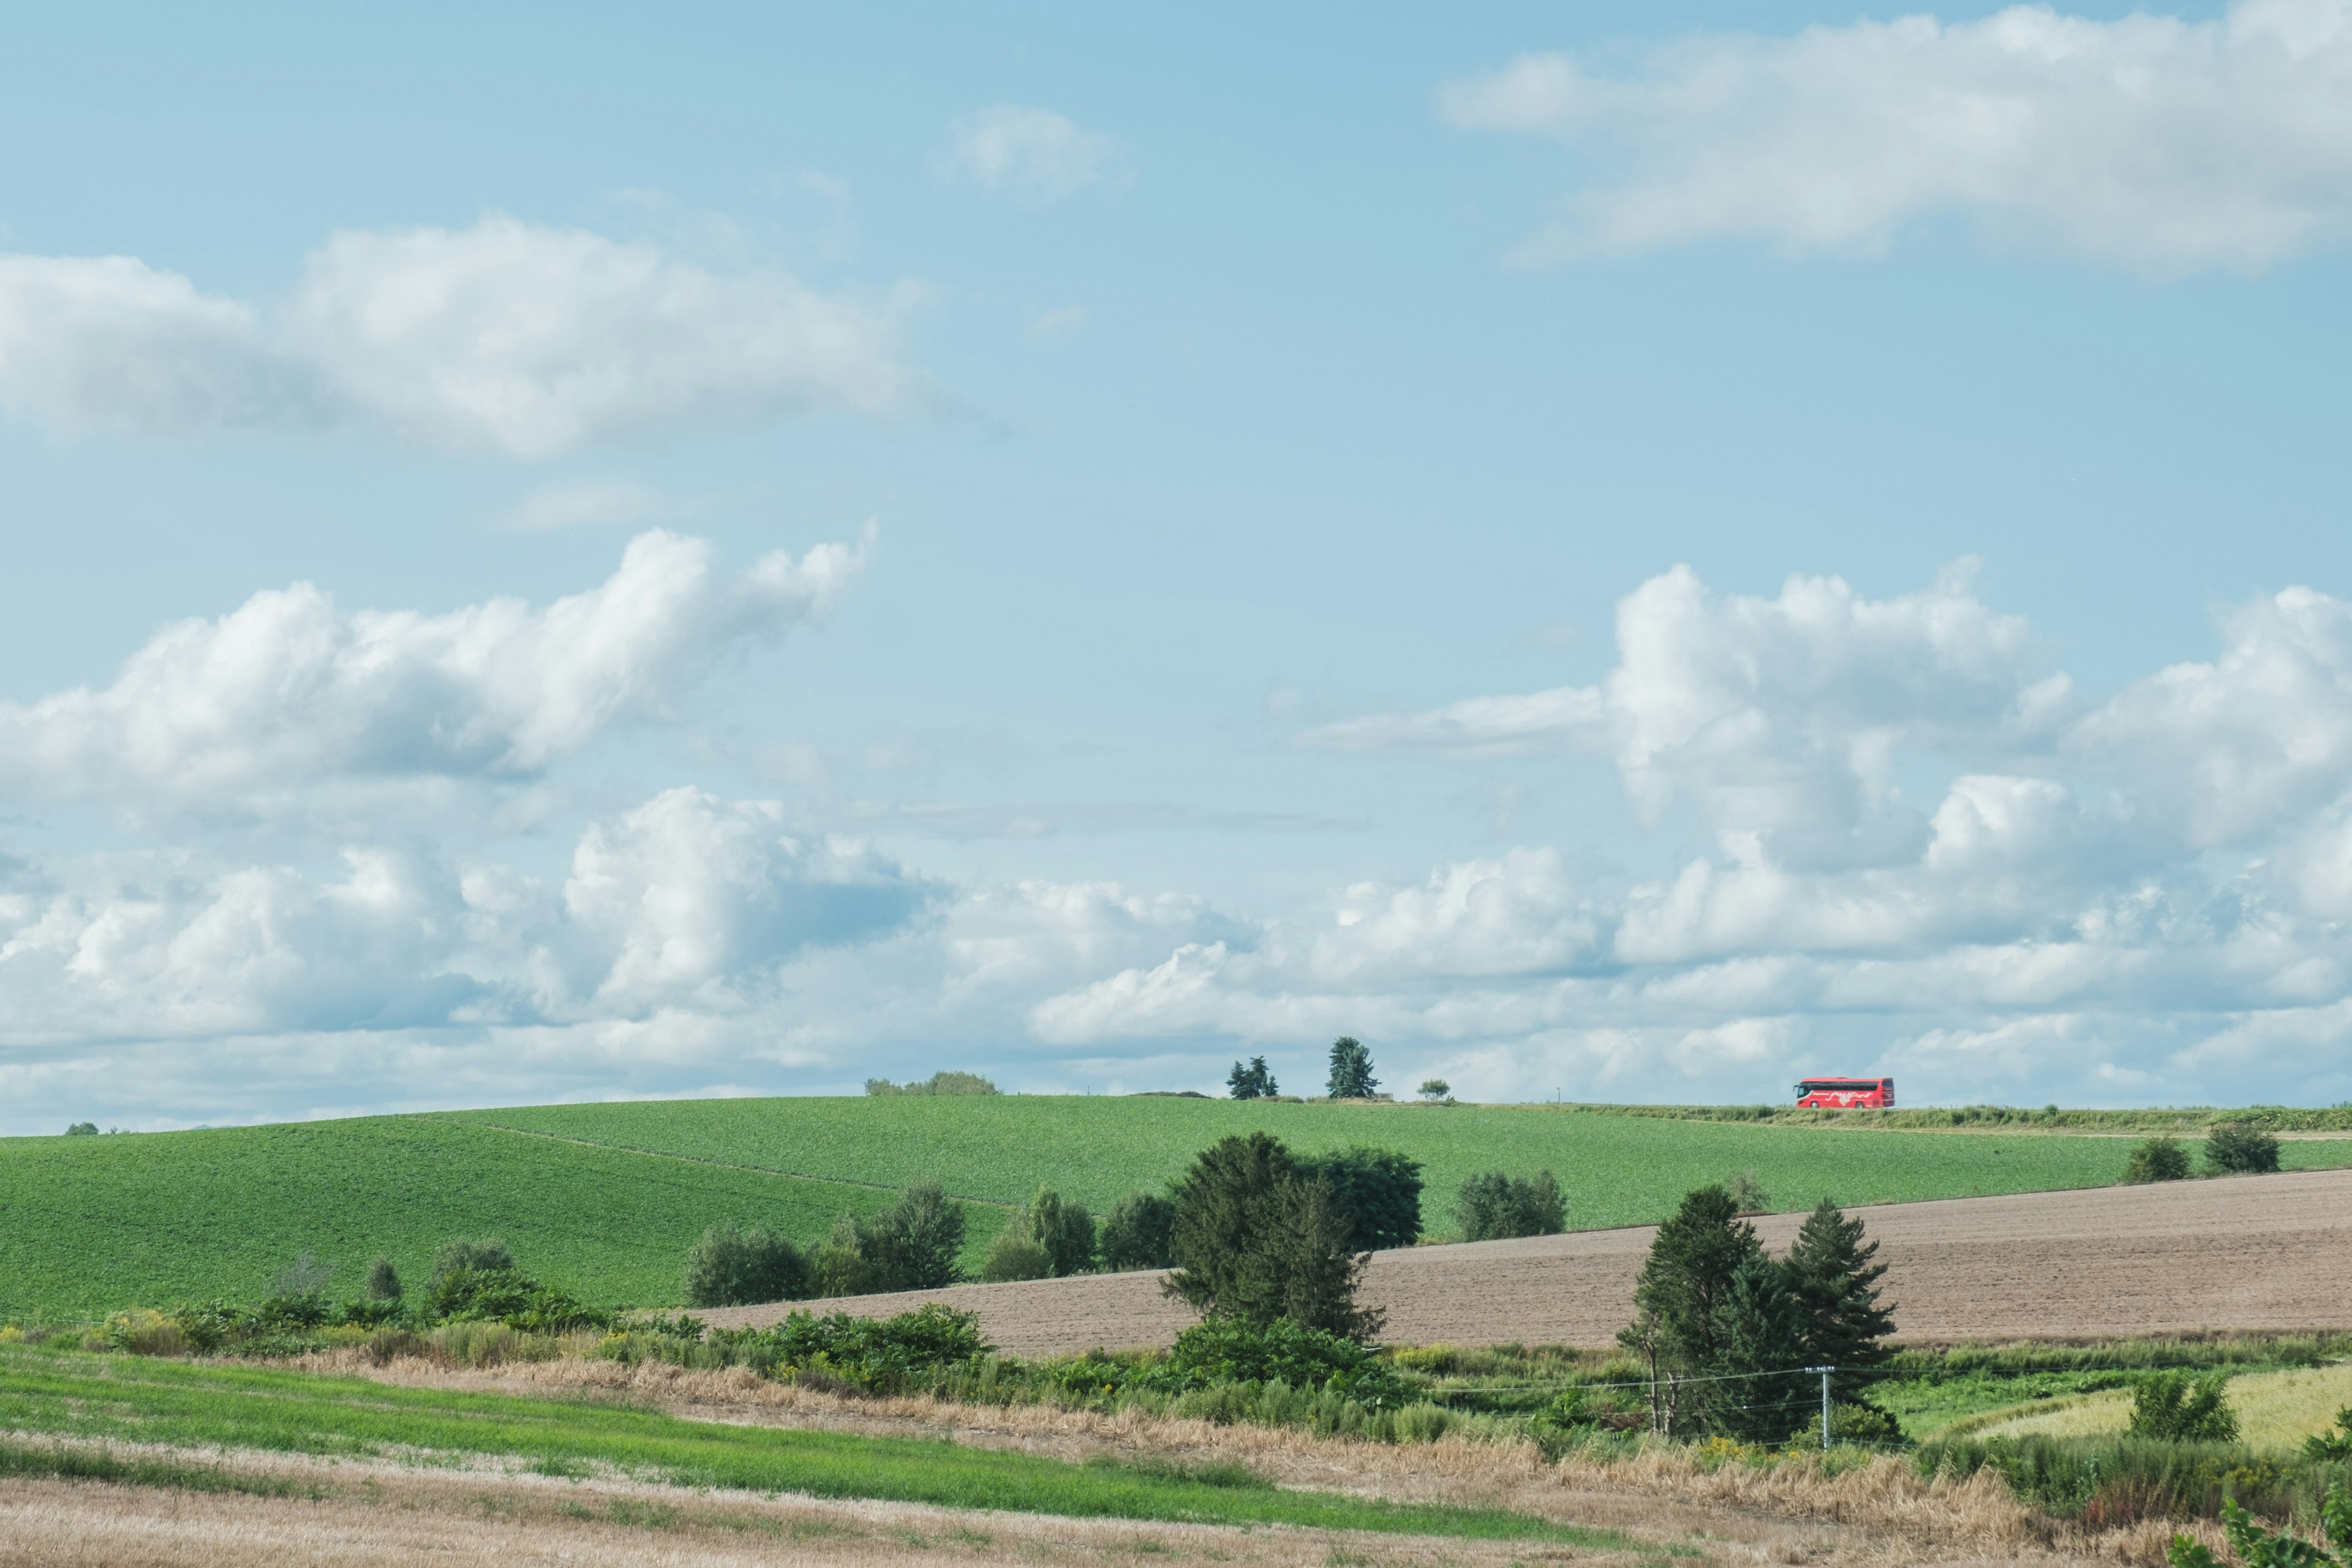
(2140, 897)
(1031, 152)
(2148, 140)
(507, 336)
(290, 691)
(687, 904)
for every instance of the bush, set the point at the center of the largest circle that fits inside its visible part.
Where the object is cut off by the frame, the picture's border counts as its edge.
(839, 1265)
(938, 1083)
(383, 1281)
(2253, 1544)
(738, 1269)
(1014, 1254)
(2157, 1160)
(1218, 1352)
(2240, 1148)
(1140, 1232)
(510, 1297)
(1495, 1206)
(878, 1354)
(482, 1257)
(82, 1130)
(1864, 1423)
(2170, 1408)
(1747, 1193)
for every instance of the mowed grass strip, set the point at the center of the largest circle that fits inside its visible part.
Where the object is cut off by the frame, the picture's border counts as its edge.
(1615, 1169)
(88, 1225)
(185, 1404)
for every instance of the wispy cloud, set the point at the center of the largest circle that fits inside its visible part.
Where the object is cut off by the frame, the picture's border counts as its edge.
(2151, 141)
(1031, 152)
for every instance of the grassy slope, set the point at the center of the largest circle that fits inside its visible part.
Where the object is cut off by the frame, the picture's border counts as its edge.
(1616, 1169)
(242, 1407)
(2276, 1410)
(88, 1225)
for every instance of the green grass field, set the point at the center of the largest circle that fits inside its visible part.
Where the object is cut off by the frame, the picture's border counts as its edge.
(604, 1199)
(231, 1408)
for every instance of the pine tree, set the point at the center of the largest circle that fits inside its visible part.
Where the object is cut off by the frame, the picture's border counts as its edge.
(1315, 1263)
(1254, 1081)
(1836, 1281)
(1688, 1275)
(1759, 1331)
(1223, 1203)
(1351, 1070)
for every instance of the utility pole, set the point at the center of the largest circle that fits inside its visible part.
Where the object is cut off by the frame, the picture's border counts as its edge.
(1825, 1372)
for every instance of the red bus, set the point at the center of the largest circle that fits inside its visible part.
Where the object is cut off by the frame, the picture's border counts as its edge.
(1845, 1093)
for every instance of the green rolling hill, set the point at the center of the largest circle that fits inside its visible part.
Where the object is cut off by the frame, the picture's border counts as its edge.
(604, 1199)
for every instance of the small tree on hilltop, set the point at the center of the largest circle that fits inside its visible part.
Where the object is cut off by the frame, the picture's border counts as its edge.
(1254, 1081)
(1351, 1070)
(1436, 1088)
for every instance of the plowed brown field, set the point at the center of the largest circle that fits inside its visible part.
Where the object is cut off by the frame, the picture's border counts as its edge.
(2242, 1252)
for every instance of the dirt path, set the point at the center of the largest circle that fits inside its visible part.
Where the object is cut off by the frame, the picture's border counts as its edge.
(2241, 1252)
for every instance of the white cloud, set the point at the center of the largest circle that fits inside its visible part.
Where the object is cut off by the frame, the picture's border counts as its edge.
(1031, 153)
(290, 691)
(689, 894)
(2148, 141)
(508, 336)
(588, 502)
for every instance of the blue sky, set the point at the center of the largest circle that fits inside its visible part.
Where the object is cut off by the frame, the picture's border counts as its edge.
(1632, 552)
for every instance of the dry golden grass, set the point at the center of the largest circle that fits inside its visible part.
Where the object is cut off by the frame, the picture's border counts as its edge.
(1790, 1512)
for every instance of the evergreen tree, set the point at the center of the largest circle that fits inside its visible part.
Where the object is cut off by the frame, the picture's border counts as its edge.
(1223, 1204)
(1255, 1241)
(1836, 1281)
(1351, 1070)
(1379, 1190)
(1311, 1265)
(1254, 1081)
(1759, 1332)
(1687, 1277)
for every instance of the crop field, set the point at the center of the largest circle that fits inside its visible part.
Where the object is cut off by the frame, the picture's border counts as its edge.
(604, 1199)
(91, 1225)
(1616, 1169)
